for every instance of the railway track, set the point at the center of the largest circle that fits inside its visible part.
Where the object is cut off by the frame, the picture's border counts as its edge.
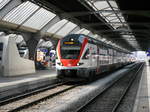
(34, 97)
(110, 99)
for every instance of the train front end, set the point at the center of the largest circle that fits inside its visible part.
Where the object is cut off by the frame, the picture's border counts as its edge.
(69, 52)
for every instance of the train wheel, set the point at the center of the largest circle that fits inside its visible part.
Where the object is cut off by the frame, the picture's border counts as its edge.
(91, 76)
(94, 73)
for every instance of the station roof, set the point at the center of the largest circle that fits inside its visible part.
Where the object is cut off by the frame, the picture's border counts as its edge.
(138, 17)
(106, 20)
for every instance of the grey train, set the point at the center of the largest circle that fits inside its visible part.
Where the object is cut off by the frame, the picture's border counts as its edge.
(79, 55)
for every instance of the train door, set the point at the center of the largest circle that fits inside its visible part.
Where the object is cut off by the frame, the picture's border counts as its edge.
(86, 57)
(98, 57)
(110, 52)
(114, 56)
(94, 56)
(1, 52)
(1, 56)
(90, 55)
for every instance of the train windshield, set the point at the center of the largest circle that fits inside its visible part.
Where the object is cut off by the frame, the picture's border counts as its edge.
(71, 45)
(70, 52)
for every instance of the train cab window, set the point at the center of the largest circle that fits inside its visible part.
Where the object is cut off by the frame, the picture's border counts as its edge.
(1, 50)
(71, 45)
(70, 52)
(81, 38)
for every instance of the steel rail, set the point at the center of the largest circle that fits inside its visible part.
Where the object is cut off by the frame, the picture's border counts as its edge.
(36, 101)
(24, 95)
(127, 88)
(105, 89)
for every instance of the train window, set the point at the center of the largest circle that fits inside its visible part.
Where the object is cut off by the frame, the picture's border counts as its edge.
(115, 53)
(110, 51)
(70, 48)
(86, 54)
(91, 41)
(81, 38)
(70, 53)
(1, 50)
(103, 51)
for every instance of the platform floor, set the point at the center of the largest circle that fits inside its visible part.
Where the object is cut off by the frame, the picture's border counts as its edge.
(142, 102)
(40, 74)
(18, 84)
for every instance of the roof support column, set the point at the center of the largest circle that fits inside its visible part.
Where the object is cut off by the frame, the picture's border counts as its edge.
(32, 42)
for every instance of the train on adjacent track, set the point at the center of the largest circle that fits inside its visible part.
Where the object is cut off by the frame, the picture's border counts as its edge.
(79, 55)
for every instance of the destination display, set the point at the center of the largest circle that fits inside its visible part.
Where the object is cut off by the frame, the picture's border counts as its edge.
(70, 43)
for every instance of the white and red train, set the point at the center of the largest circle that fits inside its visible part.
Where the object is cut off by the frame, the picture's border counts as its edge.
(82, 56)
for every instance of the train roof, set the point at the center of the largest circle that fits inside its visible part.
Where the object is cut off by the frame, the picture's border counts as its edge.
(98, 42)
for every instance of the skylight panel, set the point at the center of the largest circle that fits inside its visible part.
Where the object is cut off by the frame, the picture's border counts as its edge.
(113, 4)
(3, 3)
(57, 26)
(108, 6)
(131, 40)
(80, 31)
(110, 12)
(85, 32)
(115, 20)
(101, 4)
(21, 13)
(107, 13)
(39, 19)
(91, 34)
(66, 29)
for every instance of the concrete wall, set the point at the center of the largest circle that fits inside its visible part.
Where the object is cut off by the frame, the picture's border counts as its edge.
(12, 63)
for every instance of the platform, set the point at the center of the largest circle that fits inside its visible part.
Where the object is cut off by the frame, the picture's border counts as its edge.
(142, 102)
(18, 84)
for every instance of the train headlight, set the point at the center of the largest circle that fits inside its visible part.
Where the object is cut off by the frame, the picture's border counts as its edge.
(78, 64)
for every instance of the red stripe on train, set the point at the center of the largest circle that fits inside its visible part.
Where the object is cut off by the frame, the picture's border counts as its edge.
(83, 46)
(58, 50)
(72, 62)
